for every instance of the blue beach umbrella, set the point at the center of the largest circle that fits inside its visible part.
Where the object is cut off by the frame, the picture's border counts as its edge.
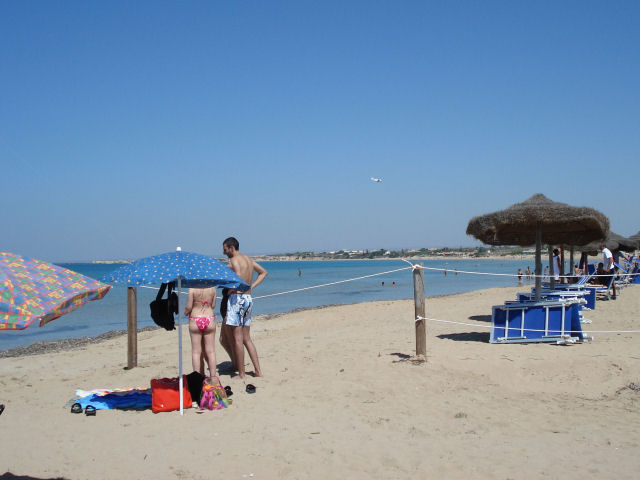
(190, 269)
(184, 268)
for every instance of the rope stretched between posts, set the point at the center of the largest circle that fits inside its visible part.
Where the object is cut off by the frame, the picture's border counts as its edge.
(310, 287)
(415, 266)
(523, 329)
(334, 283)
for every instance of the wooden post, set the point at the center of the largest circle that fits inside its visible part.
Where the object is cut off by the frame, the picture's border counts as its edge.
(132, 327)
(571, 263)
(538, 261)
(419, 302)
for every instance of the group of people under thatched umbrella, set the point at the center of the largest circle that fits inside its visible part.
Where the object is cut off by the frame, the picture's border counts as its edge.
(539, 220)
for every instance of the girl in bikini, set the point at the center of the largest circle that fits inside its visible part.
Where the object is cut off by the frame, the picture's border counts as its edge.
(202, 327)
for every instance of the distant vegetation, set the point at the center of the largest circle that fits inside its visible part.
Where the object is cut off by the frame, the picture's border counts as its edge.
(471, 252)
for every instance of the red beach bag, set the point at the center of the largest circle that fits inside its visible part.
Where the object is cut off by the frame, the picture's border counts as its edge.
(165, 397)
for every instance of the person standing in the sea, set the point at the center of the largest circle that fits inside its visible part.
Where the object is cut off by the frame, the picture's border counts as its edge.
(240, 304)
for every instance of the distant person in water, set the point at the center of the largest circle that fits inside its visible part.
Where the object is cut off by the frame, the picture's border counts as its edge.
(519, 276)
(382, 284)
(240, 304)
(393, 284)
(299, 272)
(527, 272)
(202, 328)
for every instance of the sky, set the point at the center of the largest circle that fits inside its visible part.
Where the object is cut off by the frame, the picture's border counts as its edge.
(130, 128)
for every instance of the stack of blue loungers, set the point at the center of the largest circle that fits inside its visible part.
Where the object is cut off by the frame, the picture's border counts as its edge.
(555, 318)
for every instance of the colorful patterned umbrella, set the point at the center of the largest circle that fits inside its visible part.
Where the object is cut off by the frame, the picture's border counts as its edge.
(33, 290)
(194, 270)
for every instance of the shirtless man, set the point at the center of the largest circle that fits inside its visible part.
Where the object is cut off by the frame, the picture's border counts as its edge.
(240, 303)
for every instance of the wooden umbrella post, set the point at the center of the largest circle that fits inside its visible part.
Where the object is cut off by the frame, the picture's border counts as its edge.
(538, 271)
(132, 327)
(572, 263)
(419, 303)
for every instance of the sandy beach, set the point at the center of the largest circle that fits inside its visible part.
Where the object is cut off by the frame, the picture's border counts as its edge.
(342, 399)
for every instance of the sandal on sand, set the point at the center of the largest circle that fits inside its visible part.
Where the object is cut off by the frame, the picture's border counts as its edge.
(76, 408)
(251, 388)
(228, 390)
(90, 411)
(1, 408)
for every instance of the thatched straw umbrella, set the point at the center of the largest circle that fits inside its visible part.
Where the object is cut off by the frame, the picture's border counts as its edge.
(612, 242)
(540, 220)
(593, 248)
(626, 244)
(636, 238)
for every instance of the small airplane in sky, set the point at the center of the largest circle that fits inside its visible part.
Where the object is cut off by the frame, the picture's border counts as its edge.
(374, 179)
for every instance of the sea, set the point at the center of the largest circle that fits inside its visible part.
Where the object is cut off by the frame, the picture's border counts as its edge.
(290, 285)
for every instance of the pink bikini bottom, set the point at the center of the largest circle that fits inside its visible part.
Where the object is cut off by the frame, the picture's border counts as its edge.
(202, 322)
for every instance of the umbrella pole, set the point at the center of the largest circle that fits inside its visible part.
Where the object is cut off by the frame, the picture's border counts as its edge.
(571, 263)
(538, 271)
(180, 383)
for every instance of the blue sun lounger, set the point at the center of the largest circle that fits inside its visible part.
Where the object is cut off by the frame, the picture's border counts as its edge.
(586, 294)
(580, 289)
(550, 321)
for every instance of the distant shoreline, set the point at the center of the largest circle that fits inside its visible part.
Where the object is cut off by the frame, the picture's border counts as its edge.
(292, 258)
(319, 258)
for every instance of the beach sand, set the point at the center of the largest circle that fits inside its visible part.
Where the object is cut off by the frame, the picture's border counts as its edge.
(342, 399)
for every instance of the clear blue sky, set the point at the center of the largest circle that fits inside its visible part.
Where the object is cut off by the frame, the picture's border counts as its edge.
(127, 128)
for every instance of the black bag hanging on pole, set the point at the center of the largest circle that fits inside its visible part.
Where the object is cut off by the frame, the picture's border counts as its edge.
(162, 309)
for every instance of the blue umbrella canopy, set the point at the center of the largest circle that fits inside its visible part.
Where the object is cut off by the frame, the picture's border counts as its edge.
(194, 270)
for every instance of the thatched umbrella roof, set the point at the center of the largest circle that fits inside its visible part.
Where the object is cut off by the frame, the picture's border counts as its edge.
(612, 242)
(560, 223)
(636, 238)
(540, 220)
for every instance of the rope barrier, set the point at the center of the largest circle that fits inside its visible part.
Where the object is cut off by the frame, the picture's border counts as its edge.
(311, 287)
(523, 329)
(333, 283)
(416, 266)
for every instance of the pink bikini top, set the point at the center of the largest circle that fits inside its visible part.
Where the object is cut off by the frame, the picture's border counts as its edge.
(203, 302)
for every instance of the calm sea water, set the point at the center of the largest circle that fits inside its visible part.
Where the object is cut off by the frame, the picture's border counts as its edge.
(110, 313)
